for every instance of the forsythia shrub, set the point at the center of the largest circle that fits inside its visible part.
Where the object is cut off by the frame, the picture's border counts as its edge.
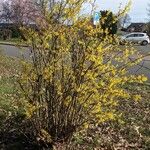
(74, 79)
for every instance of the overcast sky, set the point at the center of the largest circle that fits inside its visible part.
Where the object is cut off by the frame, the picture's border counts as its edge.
(138, 11)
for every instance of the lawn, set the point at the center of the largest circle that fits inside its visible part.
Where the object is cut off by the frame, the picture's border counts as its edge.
(12, 41)
(131, 131)
(8, 70)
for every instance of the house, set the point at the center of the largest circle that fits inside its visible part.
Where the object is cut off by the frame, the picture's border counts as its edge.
(137, 27)
(6, 30)
(10, 30)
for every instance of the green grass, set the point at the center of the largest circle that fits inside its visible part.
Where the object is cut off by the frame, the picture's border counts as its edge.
(135, 131)
(13, 41)
(8, 66)
(8, 69)
(6, 86)
(6, 91)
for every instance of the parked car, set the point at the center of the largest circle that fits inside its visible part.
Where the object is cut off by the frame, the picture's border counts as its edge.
(136, 37)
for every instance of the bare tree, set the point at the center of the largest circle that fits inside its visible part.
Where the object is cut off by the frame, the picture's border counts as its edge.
(148, 14)
(5, 12)
(148, 11)
(20, 12)
(124, 20)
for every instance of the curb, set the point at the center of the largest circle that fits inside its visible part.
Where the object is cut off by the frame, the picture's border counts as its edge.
(12, 44)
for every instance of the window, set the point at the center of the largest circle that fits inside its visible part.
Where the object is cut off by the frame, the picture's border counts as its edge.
(136, 35)
(140, 35)
(131, 35)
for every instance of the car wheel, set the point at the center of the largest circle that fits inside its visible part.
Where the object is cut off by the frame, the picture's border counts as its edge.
(144, 43)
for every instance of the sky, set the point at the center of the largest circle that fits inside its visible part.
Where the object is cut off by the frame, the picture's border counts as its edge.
(138, 11)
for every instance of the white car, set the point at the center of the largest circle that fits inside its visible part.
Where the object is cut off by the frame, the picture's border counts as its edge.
(136, 37)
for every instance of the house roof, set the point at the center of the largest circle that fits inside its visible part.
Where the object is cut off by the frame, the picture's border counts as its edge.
(136, 25)
(9, 25)
(5, 25)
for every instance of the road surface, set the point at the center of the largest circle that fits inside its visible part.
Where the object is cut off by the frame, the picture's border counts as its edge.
(14, 51)
(142, 68)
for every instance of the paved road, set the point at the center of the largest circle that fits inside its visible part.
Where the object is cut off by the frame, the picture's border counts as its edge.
(14, 51)
(143, 49)
(142, 68)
